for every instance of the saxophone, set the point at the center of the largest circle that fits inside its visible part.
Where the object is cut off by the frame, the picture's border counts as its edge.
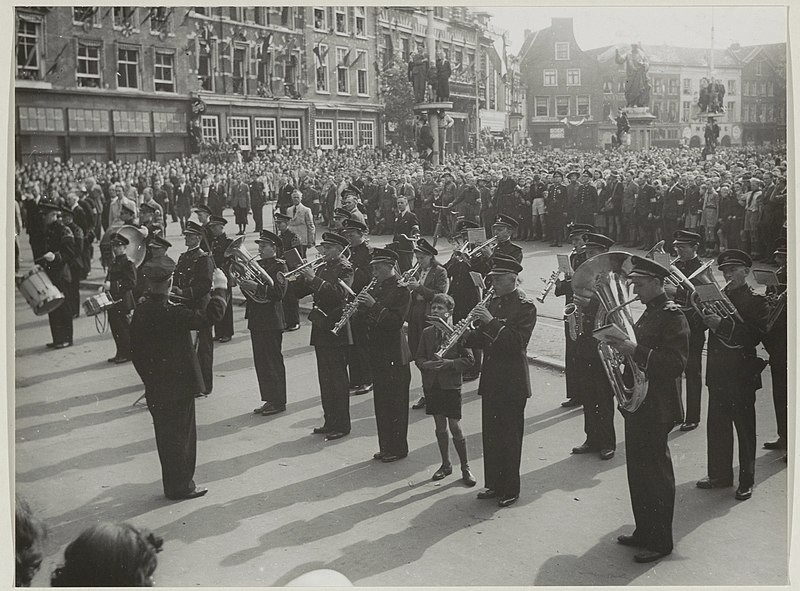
(467, 323)
(573, 316)
(351, 308)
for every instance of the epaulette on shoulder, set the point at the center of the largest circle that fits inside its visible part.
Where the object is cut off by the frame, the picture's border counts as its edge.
(671, 306)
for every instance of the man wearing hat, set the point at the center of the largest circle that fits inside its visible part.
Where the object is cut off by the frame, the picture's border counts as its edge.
(403, 246)
(164, 358)
(503, 228)
(660, 351)
(60, 252)
(505, 327)
(147, 219)
(266, 324)
(330, 295)
(430, 279)
(120, 283)
(555, 202)
(385, 307)
(219, 243)
(339, 215)
(289, 241)
(595, 389)
(775, 341)
(586, 199)
(193, 282)
(203, 214)
(360, 372)
(733, 374)
(156, 247)
(78, 266)
(505, 198)
(686, 243)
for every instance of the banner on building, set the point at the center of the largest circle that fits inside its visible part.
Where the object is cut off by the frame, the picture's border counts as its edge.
(556, 133)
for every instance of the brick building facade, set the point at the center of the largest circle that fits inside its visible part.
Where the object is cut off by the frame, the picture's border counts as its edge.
(763, 92)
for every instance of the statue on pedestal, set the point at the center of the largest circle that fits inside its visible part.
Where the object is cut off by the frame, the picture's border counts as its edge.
(637, 86)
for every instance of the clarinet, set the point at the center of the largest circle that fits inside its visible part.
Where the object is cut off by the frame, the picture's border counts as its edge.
(351, 308)
(463, 326)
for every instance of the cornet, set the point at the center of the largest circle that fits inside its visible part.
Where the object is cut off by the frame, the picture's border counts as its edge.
(313, 265)
(408, 276)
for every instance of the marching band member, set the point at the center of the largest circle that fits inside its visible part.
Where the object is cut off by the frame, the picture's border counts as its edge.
(386, 307)
(266, 325)
(661, 349)
(60, 251)
(219, 243)
(203, 214)
(358, 353)
(504, 226)
(505, 327)
(596, 392)
(120, 283)
(403, 246)
(441, 383)
(289, 240)
(555, 200)
(564, 287)
(330, 349)
(157, 247)
(686, 243)
(193, 281)
(733, 374)
(775, 342)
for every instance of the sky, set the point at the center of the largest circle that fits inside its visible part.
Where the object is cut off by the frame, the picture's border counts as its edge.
(682, 26)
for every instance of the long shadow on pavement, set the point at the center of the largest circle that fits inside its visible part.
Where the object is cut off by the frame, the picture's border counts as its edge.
(39, 409)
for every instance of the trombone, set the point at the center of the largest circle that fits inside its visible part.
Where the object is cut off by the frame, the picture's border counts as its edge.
(469, 254)
(313, 265)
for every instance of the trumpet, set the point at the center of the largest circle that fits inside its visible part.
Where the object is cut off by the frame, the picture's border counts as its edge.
(408, 276)
(313, 265)
(468, 323)
(476, 252)
(352, 307)
(548, 285)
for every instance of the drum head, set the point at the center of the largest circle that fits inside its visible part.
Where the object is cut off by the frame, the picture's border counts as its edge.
(48, 306)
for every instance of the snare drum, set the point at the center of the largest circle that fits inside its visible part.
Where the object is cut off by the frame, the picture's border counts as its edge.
(97, 303)
(39, 291)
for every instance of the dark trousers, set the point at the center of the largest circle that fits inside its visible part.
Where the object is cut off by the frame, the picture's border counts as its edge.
(333, 388)
(571, 367)
(729, 406)
(291, 307)
(73, 295)
(176, 440)
(779, 388)
(358, 355)
(258, 217)
(270, 370)
(61, 323)
(390, 396)
(693, 373)
(205, 355)
(503, 425)
(598, 404)
(120, 329)
(224, 328)
(651, 482)
(555, 226)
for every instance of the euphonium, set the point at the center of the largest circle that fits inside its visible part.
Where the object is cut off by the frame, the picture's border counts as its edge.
(351, 307)
(463, 325)
(603, 276)
(244, 267)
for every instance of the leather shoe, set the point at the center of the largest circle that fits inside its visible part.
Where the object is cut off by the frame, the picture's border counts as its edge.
(606, 454)
(419, 403)
(707, 483)
(571, 402)
(649, 555)
(110, 359)
(224, 339)
(583, 448)
(362, 389)
(442, 472)
(507, 501)
(389, 458)
(378, 456)
(744, 492)
(53, 346)
(119, 360)
(293, 328)
(489, 493)
(321, 430)
(66, 344)
(334, 436)
(192, 494)
(627, 540)
(268, 410)
(779, 443)
(688, 427)
(467, 477)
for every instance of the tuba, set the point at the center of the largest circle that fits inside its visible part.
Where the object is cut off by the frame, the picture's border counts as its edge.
(604, 276)
(244, 267)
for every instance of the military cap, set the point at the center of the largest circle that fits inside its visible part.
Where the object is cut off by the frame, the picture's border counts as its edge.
(158, 242)
(66, 211)
(506, 220)
(332, 239)
(158, 269)
(127, 206)
(686, 237)
(598, 240)
(351, 189)
(502, 264)
(194, 228)
(558, 172)
(734, 257)
(202, 208)
(383, 255)
(573, 173)
(425, 247)
(579, 229)
(282, 217)
(46, 206)
(118, 238)
(341, 212)
(217, 219)
(642, 267)
(351, 224)
(464, 224)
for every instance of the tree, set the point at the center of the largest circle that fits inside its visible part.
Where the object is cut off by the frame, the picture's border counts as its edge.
(398, 98)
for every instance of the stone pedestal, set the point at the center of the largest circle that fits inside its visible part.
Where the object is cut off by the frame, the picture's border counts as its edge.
(432, 111)
(641, 120)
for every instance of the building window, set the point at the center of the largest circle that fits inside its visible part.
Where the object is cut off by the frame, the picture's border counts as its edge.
(321, 70)
(201, 10)
(323, 133)
(239, 69)
(562, 51)
(583, 106)
(759, 68)
(608, 86)
(550, 77)
(731, 109)
(361, 73)
(205, 67)
(320, 19)
(687, 86)
(124, 17)
(235, 13)
(687, 110)
(342, 70)
(366, 133)
(762, 88)
(621, 86)
(361, 21)
(341, 19)
(260, 15)
(770, 88)
(542, 106)
(266, 132)
(239, 131)
(731, 87)
(84, 14)
(164, 72)
(573, 77)
(673, 112)
(290, 133)
(28, 33)
(658, 86)
(346, 134)
(673, 86)
(128, 68)
(562, 106)
(159, 20)
(88, 72)
(406, 49)
(209, 126)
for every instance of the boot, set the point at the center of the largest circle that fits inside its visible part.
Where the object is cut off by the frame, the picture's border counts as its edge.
(446, 468)
(466, 474)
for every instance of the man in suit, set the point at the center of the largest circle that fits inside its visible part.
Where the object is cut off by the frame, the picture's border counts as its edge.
(672, 212)
(164, 358)
(385, 308)
(258, 199)
(217, 198)
(184, 198)
(193, 282)
(505, 197)
(503, 228)
(406, 221)
(505, 327)
(555, 202)
(360, 371)
(301, 223)
(219, 243)
(60, 252)
(120, 284)
(586, 199)
(266, 325)
(660, 351)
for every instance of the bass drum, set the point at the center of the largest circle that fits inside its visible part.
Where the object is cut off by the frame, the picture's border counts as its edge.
(40, 293)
